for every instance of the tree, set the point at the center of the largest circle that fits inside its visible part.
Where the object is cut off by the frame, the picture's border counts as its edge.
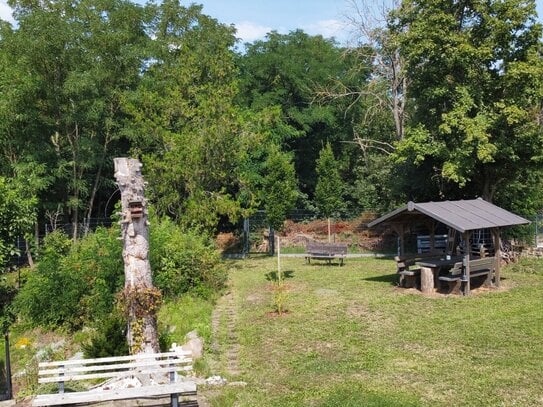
(140, 298)
(184, 124)
(279, 188)
(476, 86)
(67, 65)
(329, 189)
(284, 71)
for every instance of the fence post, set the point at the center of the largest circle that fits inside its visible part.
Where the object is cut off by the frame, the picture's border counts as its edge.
(9, 386)
(271, 239)
(246, 231)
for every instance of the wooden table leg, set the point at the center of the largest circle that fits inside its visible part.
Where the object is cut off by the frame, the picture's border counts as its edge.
(426, 280)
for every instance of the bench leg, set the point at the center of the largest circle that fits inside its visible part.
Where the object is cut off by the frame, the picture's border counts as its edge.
(410, 281)
(174, 400)
(455, 287)
(488, 280)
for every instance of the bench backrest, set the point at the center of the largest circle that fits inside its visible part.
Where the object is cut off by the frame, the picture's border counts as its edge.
(325, 248)
(116, 366)
(486, 263)
(404, 262)
(456, 269)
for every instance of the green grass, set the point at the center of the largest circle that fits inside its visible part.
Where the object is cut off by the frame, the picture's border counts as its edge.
(351, 338)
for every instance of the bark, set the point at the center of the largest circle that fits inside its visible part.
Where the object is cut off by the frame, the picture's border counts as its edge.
(141, 299)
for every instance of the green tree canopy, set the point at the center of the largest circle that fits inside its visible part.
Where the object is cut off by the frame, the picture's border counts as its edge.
(285, 70)
(476, 77)
(330, 188)
(64, 69)
(279, 189)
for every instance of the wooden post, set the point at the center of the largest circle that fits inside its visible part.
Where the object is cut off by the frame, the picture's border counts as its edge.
(9, 384)
(466, 277)
(141, 299)
(329, 231)
(279, 260)
(497, 255)
(399, 229)
(426, 280)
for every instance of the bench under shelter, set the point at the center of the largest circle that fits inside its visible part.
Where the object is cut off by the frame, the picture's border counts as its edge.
(473, 229)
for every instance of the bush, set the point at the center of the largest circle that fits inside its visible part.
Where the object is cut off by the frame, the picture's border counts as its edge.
(109, 338)
(73, 286)
(185, 261)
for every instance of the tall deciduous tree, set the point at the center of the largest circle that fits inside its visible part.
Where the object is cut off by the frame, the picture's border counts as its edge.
(284, 70)
(476, 89)
(66, 65)
(329, 189)
(279, 188)
(185, 126)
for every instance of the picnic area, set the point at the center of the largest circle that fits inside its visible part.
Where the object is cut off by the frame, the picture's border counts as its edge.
(351, 337)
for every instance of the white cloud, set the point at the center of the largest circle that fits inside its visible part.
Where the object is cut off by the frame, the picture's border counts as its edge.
(249, 32)
(5, 11)
(326, 28)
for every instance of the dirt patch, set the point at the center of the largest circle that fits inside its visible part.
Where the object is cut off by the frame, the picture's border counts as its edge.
(353, 232)
(275, 314)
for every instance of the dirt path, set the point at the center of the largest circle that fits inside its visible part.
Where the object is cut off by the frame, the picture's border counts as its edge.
(225, 345)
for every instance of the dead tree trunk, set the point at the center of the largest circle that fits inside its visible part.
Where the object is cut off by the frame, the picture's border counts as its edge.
(139, 298)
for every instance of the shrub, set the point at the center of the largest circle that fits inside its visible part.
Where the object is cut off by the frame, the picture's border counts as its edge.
(109, 339)
(76, 284)
(73, 286)
(185, 261)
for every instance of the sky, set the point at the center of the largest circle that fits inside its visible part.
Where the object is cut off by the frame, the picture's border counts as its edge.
(254, 18)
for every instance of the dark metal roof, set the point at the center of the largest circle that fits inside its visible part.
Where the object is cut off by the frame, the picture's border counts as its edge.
(460, 215)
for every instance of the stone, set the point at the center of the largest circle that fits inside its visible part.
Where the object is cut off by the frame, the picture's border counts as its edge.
(194, 344)
(216, 381)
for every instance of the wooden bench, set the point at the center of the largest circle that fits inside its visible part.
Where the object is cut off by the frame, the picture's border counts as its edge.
(325, 251)
(453, 278)
(404, 268)
(478, 267)
(156, 373)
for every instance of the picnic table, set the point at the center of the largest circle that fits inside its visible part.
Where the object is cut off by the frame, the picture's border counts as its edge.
(430, 269)
(466, 270)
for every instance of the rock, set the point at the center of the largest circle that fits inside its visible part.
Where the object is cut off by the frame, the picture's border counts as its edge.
(216, 381)
(194, 344)
(237, 384)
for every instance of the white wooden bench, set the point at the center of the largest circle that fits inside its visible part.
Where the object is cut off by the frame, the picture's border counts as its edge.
(156, 372)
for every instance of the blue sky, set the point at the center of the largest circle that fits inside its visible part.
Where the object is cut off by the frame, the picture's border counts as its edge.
(254, 18)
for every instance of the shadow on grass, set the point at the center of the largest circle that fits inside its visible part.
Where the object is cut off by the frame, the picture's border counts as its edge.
(384, 278)
(272, 275)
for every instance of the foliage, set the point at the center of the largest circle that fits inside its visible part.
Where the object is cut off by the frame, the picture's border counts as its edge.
(285, 71)
(329, 190)
(184, 262)
(109, 339)
(73, 285)
(18, 209)
(279, 188)
(475, 74)
(184, 124)
(64, 69)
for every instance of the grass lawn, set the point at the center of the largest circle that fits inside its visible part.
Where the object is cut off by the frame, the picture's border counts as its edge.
(351, 338)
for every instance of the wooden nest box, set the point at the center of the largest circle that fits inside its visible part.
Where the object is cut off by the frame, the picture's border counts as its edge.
(136, 209)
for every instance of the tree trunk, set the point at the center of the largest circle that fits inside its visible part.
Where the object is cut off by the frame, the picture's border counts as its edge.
(141, 299)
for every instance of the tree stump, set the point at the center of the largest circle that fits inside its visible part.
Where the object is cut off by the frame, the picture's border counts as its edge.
(140, 299)
(426, 280)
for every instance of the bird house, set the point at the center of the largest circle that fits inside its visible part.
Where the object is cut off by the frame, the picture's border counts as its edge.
(136, 209)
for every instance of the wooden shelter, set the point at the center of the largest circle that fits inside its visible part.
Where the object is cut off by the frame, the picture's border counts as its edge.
(461, 218)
